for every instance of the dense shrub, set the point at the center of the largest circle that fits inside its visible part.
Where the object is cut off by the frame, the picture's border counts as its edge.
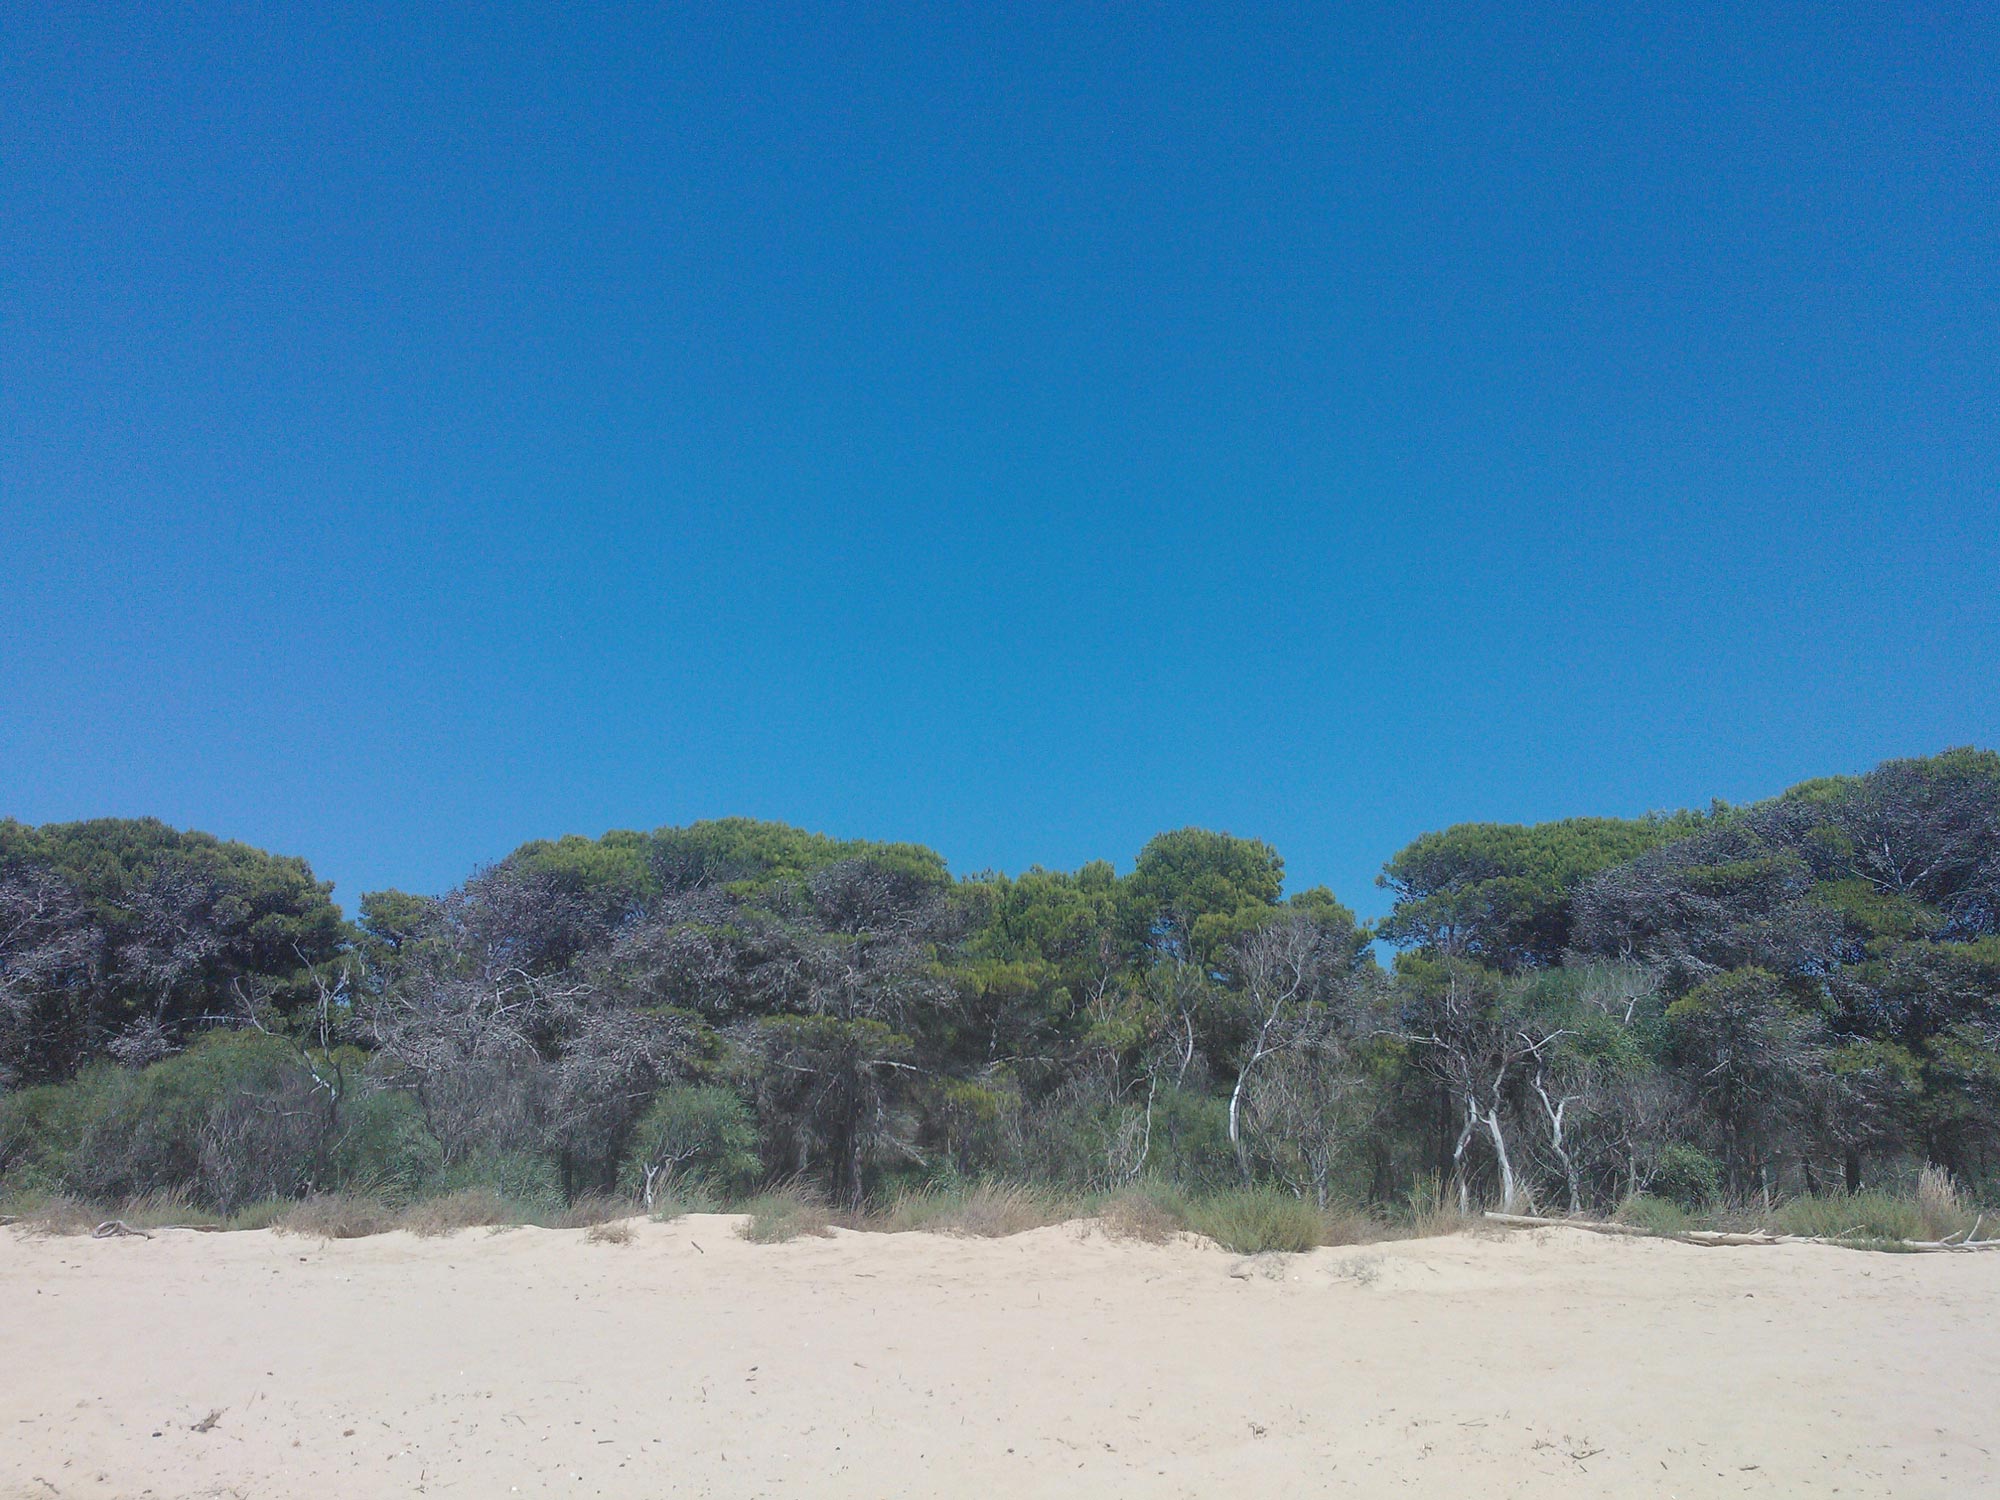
(1687, 1177)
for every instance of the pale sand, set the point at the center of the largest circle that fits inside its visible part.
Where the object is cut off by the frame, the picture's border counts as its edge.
(526, 1361)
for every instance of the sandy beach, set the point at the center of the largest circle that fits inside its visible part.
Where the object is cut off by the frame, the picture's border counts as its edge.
(1058, 1362)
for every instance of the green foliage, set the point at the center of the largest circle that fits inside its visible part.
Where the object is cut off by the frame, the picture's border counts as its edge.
(164, 929)
(1688, 1178)
(752, 858)
(1500, 892)
(614, 873)
(1807, 989)
(528, 1182)
(117, 1133)
(1199, 891)
(702, 1133)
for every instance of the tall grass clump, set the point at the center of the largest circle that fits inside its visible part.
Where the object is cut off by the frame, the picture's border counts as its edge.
(38, 1211)
(468, 1208)
(1151, 1210)
(1660, 1215)
(595, 1211)
(788, 1211)
(983, 1210)
(1252, 1220)
(1428, 1211)
(336, 1216)
(1934, 1211)
(1944, 1208)
(686, 1195)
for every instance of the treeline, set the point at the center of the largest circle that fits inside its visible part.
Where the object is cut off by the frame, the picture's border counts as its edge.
(1802, 995)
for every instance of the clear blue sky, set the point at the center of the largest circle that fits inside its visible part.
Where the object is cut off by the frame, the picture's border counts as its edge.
(1015, 428)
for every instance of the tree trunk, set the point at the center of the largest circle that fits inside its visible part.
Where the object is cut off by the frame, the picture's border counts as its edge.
(1508, 1190)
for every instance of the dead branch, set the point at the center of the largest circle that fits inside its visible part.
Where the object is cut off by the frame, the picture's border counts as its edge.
(1726, 1237)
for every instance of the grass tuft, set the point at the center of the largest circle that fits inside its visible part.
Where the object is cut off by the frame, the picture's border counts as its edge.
(336, 1216)
(786, 1212)
(1866, 1215)
(984, 1210)
(49, 1213)
(1660, 1215)
(589, 1213)
(1252, 1220)
(468, 1208)
(1151, 1212)
(686, 1195)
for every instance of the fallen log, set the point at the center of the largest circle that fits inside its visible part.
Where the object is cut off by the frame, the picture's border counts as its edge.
(1716, 1237)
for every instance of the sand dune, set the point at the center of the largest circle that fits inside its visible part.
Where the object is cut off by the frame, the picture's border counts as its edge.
(688, 1362)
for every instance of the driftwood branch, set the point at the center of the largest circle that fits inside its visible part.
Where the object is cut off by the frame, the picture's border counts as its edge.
(1727, 1237)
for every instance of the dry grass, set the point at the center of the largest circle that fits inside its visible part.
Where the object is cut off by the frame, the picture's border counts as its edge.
(610, 1232)
(50, 1213)
(786, 1212)
(986, 1210)
(1429, 1211)
(1343, 1224)
(56, 1213)
(589, 1213)
(336, 1216)
(469, 1208)
(1940, 1204)
(1147, 1212)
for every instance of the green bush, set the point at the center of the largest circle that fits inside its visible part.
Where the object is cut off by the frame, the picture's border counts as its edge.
(700, 1132)
(224, 1122)
(384, 1148)
(1688, 1177)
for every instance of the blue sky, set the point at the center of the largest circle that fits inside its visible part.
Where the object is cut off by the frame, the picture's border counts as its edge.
(1015, 428)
